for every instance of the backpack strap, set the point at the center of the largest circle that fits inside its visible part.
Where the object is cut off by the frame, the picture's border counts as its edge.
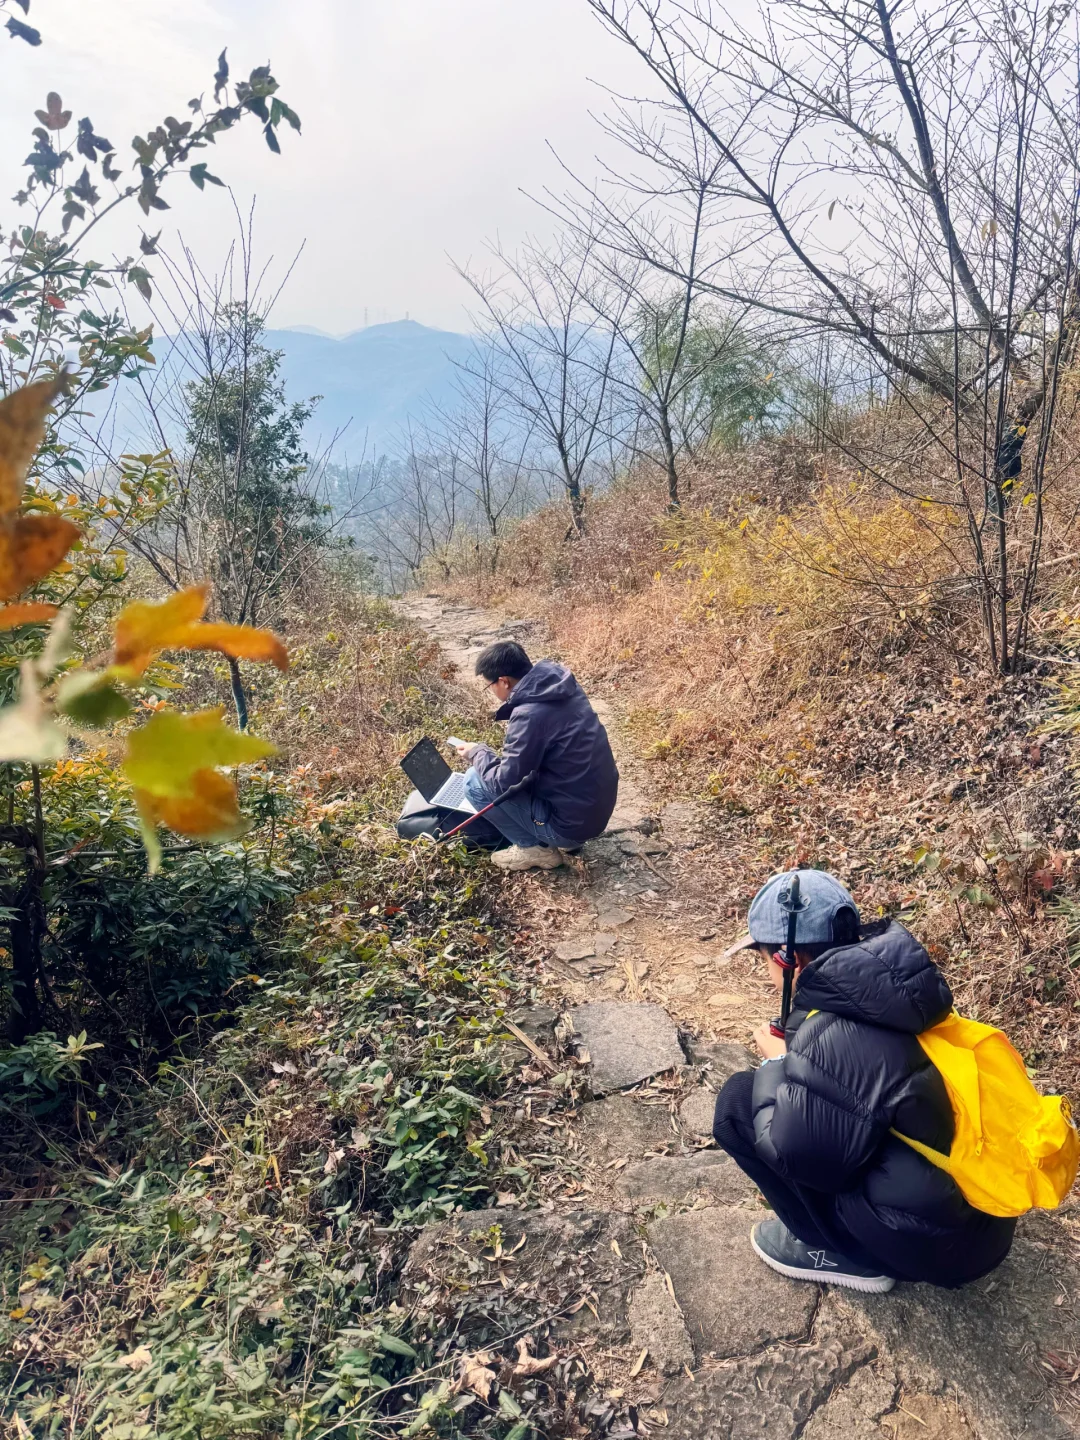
(935, 1157)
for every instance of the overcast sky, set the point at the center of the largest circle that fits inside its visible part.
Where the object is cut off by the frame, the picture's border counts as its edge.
(423, 120)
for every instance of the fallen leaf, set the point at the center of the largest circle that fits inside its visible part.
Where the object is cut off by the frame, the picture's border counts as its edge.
(145, 628)
(139, 1359)
(203, 1162)
(527, 1364)
(635, 1369)
(475, 1374)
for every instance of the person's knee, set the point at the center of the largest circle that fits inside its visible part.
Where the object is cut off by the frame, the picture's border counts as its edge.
(475, 788)
(733, 1118)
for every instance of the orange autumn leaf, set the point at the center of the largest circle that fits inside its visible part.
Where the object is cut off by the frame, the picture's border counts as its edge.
(30, 612)
(31, 546)
(22, 429)
(145, 628)
(211, 812)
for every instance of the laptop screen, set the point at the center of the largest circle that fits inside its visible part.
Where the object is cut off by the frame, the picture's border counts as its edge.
(426, 768)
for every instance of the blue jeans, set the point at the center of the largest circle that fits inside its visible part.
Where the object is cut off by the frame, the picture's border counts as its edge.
(523, 819)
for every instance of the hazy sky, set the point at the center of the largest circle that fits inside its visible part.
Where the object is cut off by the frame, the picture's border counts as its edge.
(422, 122)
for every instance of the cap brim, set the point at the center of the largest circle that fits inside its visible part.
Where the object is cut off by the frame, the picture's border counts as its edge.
(745, 942)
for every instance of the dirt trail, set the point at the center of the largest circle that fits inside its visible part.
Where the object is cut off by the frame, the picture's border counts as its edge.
(683, 1329)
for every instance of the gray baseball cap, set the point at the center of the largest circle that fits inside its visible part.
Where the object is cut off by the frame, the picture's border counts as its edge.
(822, 896)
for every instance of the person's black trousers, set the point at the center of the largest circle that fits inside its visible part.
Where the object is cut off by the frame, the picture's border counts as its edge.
(978, 1245)
(806, 1213)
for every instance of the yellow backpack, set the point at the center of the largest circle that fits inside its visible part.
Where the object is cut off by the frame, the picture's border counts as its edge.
(1013, 1149)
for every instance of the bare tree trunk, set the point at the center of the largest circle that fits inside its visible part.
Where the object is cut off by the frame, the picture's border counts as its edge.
(239, 694)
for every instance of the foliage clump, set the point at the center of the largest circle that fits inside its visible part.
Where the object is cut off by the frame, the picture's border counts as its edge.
(229, 1269)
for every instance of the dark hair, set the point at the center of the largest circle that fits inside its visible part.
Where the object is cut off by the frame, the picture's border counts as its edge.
(505, 657)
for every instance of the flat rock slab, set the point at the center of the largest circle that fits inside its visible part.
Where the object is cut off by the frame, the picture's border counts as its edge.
(455, 1272)
(622, 1125)
(855, 1410)
(696, 1113)
(580, 948)
(681, 986)
(986, 1341)
(678, 1178)
(657, 1325)
(537, 1021)
(626, 1042)
(612, 918)
(629, 814)
(722, 1058)
(733, 1304)
(765, 1397)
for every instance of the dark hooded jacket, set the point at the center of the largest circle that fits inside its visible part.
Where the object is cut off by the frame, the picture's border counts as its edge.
(853, 1072)
(554, 731)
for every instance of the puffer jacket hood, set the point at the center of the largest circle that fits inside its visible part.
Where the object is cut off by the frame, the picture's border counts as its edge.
(887, 979)
(547, 683)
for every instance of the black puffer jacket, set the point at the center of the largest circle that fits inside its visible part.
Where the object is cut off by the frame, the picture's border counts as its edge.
(555, 732)
(852, 1073)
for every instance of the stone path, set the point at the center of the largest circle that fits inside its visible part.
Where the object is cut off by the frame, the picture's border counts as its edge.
(643, 1263)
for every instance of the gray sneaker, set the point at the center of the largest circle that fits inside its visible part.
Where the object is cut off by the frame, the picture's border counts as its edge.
(774, 1243)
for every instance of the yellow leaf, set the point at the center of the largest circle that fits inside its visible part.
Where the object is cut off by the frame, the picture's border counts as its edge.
(145, 627)
(30, 612)
(22, 429)
(210, 812)
(31, 546)
(164, 755)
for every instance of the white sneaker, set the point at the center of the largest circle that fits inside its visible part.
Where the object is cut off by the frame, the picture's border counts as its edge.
(527, 857)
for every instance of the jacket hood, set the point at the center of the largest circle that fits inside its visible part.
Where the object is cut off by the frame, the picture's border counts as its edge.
(546, 684)
(886, 979)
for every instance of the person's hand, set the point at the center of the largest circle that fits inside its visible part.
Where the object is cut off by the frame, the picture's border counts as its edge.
(769, 1044)
(467, 751)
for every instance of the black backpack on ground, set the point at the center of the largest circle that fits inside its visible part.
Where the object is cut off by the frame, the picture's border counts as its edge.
(420, 817)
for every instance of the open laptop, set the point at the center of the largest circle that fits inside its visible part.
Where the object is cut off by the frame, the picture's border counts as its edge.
(432, 776)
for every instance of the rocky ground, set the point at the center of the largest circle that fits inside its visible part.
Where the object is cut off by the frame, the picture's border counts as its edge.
(637, 1267)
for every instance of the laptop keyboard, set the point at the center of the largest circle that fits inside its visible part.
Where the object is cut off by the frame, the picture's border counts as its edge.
(452, 794)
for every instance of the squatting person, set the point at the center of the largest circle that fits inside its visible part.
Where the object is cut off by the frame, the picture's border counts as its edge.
(551, 731)
(812, 1127)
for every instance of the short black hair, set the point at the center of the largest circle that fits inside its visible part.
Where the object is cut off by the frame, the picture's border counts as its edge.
(505, 657)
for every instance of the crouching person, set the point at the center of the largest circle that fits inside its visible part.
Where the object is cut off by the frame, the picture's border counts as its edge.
(817, 1126)
(554, 734)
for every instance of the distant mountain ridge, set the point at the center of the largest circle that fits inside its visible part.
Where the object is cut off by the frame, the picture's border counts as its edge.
(371, 381)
